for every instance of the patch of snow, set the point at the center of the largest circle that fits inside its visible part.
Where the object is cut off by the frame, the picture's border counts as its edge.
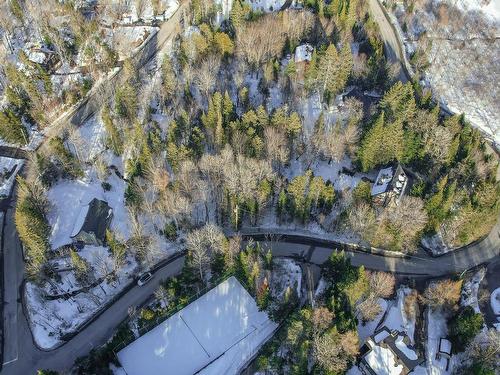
(67, 198)
(50, 320)
(396, 317)
(436, 329)
(470, 289)
(354, 370)
(409, 353)
(286, 274)
(303, 52)
(117, 370)
(495, 301)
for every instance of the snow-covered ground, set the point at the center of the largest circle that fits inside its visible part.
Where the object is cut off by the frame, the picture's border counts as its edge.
(78, 193)
(216, 334)
(436, 329)
(495, 301)
(396, 317)
(9, 168)
(463, 53)
(470, 290)
(286, 274)
(51, 319)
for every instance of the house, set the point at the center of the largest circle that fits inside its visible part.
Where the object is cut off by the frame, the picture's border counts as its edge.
(388, 353)
(219, 333)
(303, 53)
(444, 351)
(92, 222)
(390, 186)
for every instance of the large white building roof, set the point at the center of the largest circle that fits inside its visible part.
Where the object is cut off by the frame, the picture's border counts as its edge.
(218, 333)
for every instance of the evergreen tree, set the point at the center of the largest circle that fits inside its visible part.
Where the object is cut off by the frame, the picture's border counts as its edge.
(169, 79)
(11, 127)
(237, 14)
(334, 70)
(398, 104)
(115, 140)
(311, 73)
(80, 266)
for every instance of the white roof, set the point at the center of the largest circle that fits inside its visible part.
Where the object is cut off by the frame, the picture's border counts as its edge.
(445, 346)
(409, 353)
(381, 335)
(303, 53)
(382, 361)
(384, 177)
(219, 333)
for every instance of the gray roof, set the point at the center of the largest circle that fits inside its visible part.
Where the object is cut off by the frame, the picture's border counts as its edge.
(97, 219)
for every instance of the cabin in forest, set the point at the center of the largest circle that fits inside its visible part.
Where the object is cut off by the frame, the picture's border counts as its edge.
(390, 186)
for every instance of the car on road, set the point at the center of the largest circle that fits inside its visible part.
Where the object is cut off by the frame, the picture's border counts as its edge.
(144, 278)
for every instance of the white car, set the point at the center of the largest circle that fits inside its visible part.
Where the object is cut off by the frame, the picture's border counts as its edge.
(144, 278)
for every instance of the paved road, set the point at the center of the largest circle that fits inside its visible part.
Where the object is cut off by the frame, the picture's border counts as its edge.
(21, 355)
(392, 44)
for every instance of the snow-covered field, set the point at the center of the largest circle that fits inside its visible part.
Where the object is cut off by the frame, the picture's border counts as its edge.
(216, 334)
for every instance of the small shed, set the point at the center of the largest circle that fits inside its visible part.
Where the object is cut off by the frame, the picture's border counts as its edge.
(92, 222)
(444, 351)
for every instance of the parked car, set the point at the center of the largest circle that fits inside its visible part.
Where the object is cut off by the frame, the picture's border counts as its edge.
(144, 278)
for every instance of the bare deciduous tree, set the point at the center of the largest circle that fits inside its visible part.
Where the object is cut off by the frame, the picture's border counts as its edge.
(276, 146)
(203, 244)
(382, 284)
(206, 75)
(443, 294)
(369, 309)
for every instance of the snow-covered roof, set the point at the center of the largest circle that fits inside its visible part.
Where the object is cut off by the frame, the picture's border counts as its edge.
(303, 52)
(383, 180)
(80, 220)
(218, 333)
(381, 335)
(401, 345)
(383, 361)
(444, 346)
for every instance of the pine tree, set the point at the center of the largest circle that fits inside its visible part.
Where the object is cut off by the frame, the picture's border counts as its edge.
(398, 104)
(368, 152)
(334, 69)
(228, 108)
(311, 73)
(11, 128)
(80, 265)
(114, 136)
(237, 14)
(169, 79)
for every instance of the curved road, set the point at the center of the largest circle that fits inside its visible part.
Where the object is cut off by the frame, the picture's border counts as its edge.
(21, 356)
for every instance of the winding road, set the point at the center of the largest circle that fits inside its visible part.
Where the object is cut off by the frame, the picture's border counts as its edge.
(21, 355)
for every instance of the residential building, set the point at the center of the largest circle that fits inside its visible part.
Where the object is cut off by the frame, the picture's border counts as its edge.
(390, 186)
(92, 222)
(388, 353)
